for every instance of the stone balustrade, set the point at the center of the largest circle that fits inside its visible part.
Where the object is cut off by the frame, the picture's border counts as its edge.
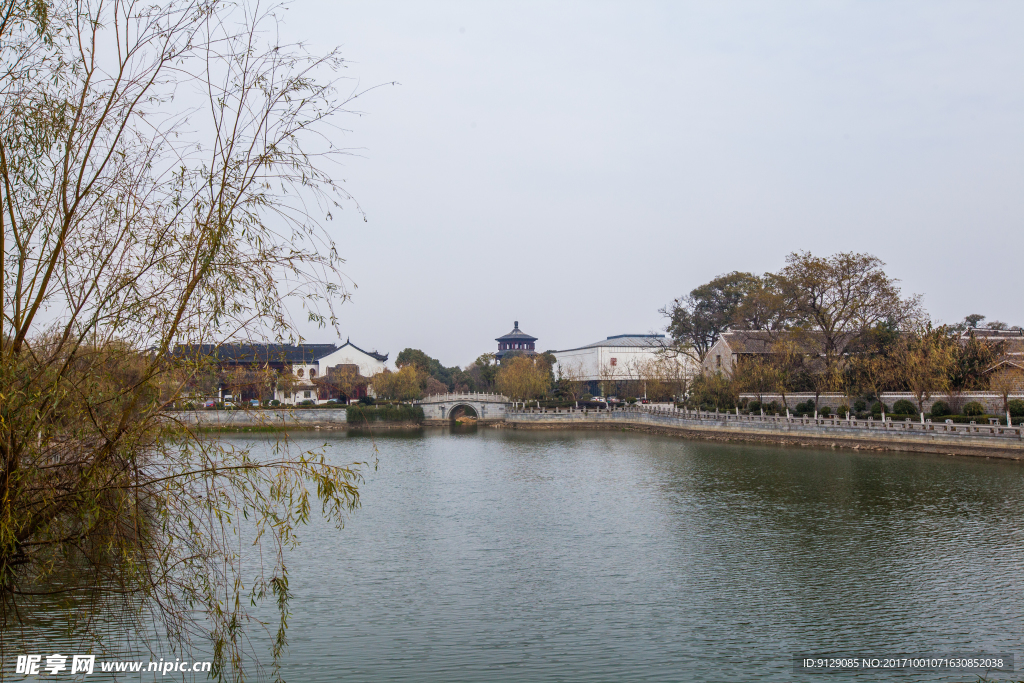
(973, 439)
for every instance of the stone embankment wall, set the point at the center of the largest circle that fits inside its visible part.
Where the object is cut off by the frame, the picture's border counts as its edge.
(993, 402)
(299, 418)
(957, 439)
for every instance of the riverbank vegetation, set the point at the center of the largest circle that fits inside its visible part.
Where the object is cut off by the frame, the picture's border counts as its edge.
(167, 192)
(363, 414)
(837, 325)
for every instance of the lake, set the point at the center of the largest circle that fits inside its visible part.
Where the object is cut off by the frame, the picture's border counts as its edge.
(506, 555)
(503, 555)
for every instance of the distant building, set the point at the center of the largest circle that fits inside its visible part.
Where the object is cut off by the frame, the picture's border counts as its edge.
(622, 358)
(242, 368)
(515, 342)
(304, 388)
(733, 346)
(1011, 341)
(1008, 370)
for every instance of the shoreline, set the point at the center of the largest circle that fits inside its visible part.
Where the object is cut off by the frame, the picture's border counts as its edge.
(781, 433)
(779, 440)
(895, 438)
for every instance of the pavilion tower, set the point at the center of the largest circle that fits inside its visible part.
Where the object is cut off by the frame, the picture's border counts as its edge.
(515, 342)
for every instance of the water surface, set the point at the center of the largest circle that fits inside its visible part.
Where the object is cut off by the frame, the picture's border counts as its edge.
(503, 555)
(500, 555)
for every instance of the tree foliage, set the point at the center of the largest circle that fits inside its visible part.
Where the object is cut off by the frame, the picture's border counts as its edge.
(405, 385)
(345, 380)
(453, 378)
(841, 297)
(164, 169)
(524, 377)
(696, 320)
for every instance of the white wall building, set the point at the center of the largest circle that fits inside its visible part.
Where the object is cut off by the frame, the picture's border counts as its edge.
(621, 357)
(303, 389)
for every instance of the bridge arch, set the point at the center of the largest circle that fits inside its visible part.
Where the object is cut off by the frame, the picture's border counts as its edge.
(457, 410)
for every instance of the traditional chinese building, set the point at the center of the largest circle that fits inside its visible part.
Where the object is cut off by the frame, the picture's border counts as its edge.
(290, 373)
(515, 342)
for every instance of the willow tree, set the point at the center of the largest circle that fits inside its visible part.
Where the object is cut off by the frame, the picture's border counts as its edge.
(164, 172)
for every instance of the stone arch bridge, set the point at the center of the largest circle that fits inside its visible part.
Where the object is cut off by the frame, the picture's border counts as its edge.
(442, 408)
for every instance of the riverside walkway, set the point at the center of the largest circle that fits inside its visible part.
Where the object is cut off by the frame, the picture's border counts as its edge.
(991, 440)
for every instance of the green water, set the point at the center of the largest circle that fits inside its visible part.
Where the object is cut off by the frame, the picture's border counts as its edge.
(501, 555)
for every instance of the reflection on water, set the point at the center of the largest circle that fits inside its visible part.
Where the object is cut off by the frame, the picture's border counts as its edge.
(500, 555)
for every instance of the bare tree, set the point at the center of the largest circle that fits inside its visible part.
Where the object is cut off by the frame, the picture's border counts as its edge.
(572, 380)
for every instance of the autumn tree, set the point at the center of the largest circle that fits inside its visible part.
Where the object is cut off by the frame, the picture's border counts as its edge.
(837, 299)
(873, 374)
(1004, 381)
(922, 362)
(345, 380)
(972, 358)
(786, 359)
(427, 365)
(523, 378)
(758, 376)
(660, 376)
(405, 385)
(714, 389)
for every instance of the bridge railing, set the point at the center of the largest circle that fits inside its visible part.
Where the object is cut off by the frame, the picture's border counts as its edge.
(465, 396)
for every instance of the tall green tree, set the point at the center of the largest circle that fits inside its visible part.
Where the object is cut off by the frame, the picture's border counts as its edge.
(696, 320)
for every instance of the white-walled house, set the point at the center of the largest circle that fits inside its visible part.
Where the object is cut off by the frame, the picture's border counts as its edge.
(303, 388)
(622, 357)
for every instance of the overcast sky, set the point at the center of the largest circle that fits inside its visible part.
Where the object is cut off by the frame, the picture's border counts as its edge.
(576, 166)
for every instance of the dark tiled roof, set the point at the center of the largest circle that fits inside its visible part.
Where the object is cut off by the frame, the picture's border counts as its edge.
(258, 354)
(992, 335)
(382, 357)
(516, 335)
(750, 341)
(261, 354)
(761, 341)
